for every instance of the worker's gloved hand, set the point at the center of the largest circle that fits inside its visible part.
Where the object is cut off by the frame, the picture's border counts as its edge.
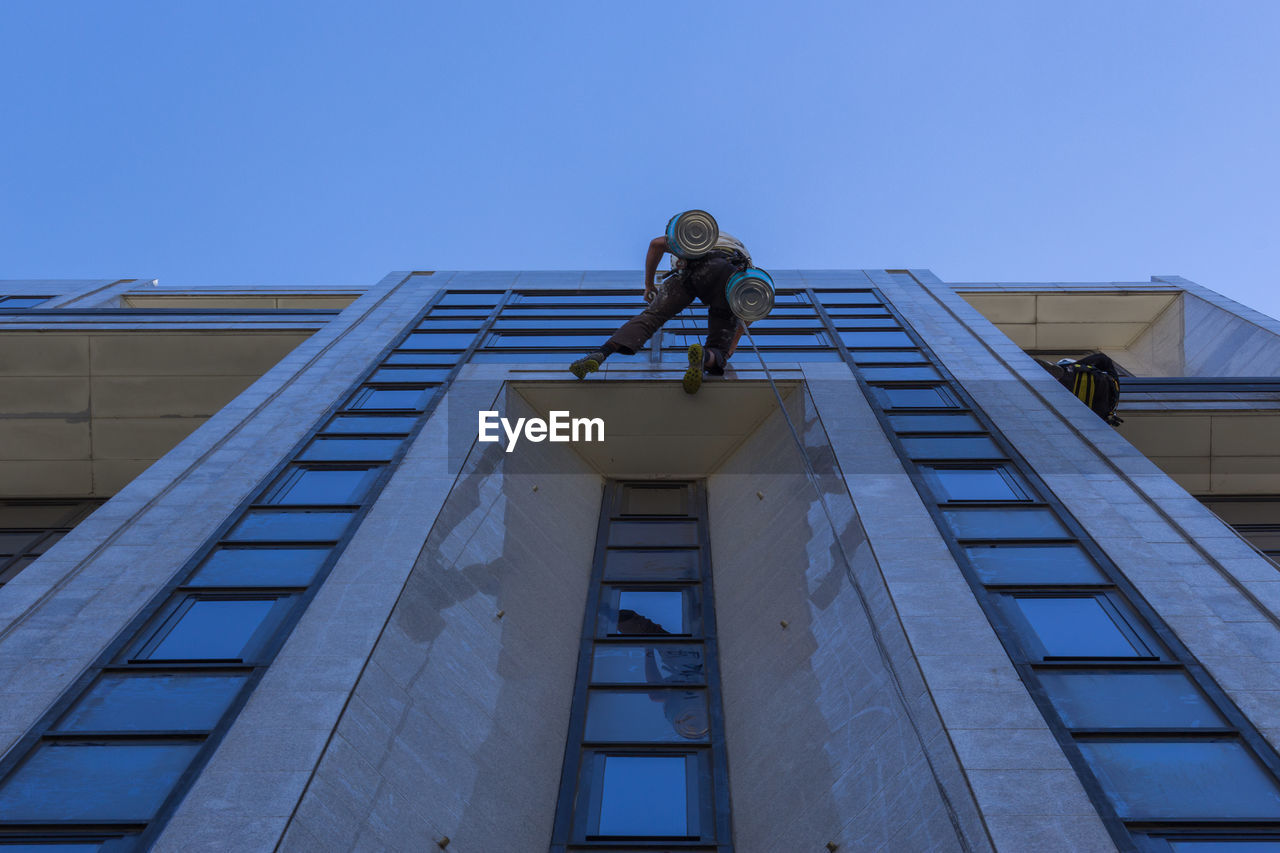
(650, 292)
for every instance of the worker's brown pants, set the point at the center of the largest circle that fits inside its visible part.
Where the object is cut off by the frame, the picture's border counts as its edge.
(703, 280)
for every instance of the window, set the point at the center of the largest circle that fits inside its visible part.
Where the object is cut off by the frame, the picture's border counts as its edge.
(371, 424)
(666, 663)
(642, 795)
(974, 484)
(1119, 699)
(438, 340)
(631, 534)
(153, 701)
(390, 398)
(904, 373)
(236, 566)
(655, 500)
(11, 302)
(286, 526)
(303, 486)
(651, 565)
(1082, 626)
(876, 339)
(1182, 779)
(442, 359)
(1004, 523)
(647, 716)
(116, 781)
(204, 627)
(923, 397)
(416, 375)
(655, 612)
(1028, 565)
(351, 450)
(952, 447)
(873, 356)
(964, 422)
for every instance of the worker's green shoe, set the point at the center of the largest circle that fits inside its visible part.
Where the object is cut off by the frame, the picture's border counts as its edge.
(589, 363)
(693, 376)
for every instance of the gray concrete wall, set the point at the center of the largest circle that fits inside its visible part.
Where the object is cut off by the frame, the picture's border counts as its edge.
(823, 747)
(457, 725)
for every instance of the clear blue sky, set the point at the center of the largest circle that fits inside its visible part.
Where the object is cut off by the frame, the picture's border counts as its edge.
(273, 143)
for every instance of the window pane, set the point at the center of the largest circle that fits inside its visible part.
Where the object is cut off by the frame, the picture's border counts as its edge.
(782, 356)
(1243, 845)
(829, 298)
(213, 630)
(651, 612)
(12, 543)
(651, 565)
(23, 301)
(1033, 564)
(935, 423)
(917, 373)
(651, 716)
(876, 339)
(585, 342)
(644, 795)
(446, 324)
(391, 398)
(1076, 627)
(156, 702)
(438, 340)
(444, 360)
(684, 337)
(94, 781)
(912, 356)
(1183, 779)
(655, 500)
(298, 526)
(322, 486)
(853, 324)
(35, 514)
(935, 397)
(260, 567)
(654, 664)
(604, 325)
(1097, 699)
(372, 424)
(1002, 523)
(588, 298)
(470, 297)
(630, 534)
(544, 357)
(411, 374)
(972, 484)
(956, 447)
(350, 450)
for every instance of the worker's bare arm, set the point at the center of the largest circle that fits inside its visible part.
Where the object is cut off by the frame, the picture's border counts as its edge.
(657, 248)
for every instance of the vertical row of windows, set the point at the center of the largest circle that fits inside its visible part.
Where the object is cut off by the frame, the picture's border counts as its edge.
(645, 763)
(1170, 762)
(28, 528)
(108, 763)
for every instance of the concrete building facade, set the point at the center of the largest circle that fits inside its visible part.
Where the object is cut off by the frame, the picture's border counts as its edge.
(886, 586)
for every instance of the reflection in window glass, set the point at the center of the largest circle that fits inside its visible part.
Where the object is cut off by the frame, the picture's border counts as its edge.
(935, 397)
(649, 716)
(1033, 564)
(296, 526)
(322, 486)
(876, 339)
(952, 447)
(509, 340)
(1099, 699)
(631, 534)
(481, 298)
(649, 612)
(371, 424)
(122, 702)
(94, 781)
(351, 450)
(651, 664)
(1076, 627)
(212, 629)
(411, 374)
(935, 423)
(1001, 523)
(438, 340)
(644, 795)
(391, 398)
(853, 324)
(1170, 779)
(651, 565)
(441, 360)
(973, 484)
(912, 356)
(7, 302)
(260, 567)
(921, 373)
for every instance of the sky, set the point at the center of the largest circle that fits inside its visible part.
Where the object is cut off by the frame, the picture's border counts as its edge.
(265, 143)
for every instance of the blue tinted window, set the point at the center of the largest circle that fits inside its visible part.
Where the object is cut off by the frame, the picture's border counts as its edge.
(934, 397)
(1011, 523)
(853, 324)
(297, 526)
(900, 374)
(7, 302)
(427, 359)
(631, 534)
(831, 299)
(411, 374)
(122, 702)
(649, 611)
(260, 567)
(1183, 779)
(322, 486)
(651, 565)
(871, 356)
(585, 342)
(952, 447)
(650, 716)
(588, 298)
(444, 324)
(351, 450)
(94, 781)
(214, 629)
(616, 663)
(371, 424)
(546, 356)
(1077, 627)
(1099, 699)
(391, 398)
(438, 340)
(645, 795)
(682, 338)
(603, 325)
(876, 339)
(1033, 564)
(973, 484)
(783, 356)
(935, 423)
